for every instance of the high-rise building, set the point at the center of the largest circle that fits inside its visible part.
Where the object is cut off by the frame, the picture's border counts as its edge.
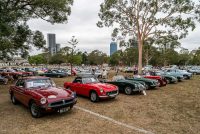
(113, 47)
(57, 48)
(51, 41)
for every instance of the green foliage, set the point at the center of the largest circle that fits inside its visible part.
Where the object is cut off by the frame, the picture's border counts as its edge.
(97, 57)
(77, 59)
(37, 59)
(196, 58)
(144, 19)
(15, 36)
(57, 59)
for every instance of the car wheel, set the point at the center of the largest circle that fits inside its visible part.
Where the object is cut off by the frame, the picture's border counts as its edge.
(35, 110)
(147, 86)
(13, 99)
(128, 91)
(59, 76)
(94, 97)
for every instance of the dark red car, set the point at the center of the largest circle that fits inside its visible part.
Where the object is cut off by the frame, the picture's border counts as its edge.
(41, 95)
(162, 80)
(24, 73)
(90, 87)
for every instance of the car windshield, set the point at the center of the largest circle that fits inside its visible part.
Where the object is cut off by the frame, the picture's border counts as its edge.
(40, 83)
(90, 80)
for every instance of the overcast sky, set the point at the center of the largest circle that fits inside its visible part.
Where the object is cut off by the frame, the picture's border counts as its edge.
(82, 24)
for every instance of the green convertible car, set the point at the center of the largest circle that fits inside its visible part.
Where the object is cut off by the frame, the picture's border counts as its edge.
(128, 86)
(149, 82)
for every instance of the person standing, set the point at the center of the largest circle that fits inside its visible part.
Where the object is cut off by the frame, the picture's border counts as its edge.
(3, 80)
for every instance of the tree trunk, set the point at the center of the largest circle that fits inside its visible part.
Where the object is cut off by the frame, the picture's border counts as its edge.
(140, 45)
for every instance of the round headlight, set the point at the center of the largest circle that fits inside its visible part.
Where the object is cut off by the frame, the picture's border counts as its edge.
(73, 95)
(101, 90)
(43, 100)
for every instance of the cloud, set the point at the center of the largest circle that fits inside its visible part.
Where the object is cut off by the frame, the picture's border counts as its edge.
(82, 24)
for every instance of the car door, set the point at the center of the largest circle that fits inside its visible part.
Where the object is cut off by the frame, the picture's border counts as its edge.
(20, 91)
(76, 84)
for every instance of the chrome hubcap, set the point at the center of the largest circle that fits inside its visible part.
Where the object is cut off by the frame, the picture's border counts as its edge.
(33, 109)
(128, 90)
(93, 97)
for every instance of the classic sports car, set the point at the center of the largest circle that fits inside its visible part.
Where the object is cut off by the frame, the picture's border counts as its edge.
(89, 86)
(184, 73)
(128, 86)
(169, 78)
(41, 95)
(54, 73)
(149, 82)
(11, 72)
(24, 73)
(161, 79)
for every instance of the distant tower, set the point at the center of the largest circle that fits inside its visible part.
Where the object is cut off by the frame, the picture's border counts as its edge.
(57, 48)
(113, 47)
(51, 41)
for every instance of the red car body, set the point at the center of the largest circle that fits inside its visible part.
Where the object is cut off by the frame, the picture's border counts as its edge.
(102, 90)
(162, 80)
(56, 98)
(24, 73)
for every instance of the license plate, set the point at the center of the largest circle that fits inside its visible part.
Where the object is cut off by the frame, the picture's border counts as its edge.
(63, 110)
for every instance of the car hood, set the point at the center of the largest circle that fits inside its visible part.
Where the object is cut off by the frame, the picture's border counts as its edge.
(106, 87)
(53, 92)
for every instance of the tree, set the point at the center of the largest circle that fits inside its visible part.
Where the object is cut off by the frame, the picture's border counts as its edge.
(37, 59)
(196, 57)
(73, 42)
(57, 59)
(15, 36)
(97, 57)
(116, 58)
(145, 19)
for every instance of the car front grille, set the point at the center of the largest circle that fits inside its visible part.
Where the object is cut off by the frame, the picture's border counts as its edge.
(112, 93)
(60, 103)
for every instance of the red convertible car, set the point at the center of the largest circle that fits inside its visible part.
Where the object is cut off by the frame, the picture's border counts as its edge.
(162, 80)
(89, 86)
(41, 95)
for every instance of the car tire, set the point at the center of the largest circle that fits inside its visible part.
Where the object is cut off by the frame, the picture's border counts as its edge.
(35, 110)
(147, 86)
(94, 96)
(13, 99)
(128, 90)
(59, 76)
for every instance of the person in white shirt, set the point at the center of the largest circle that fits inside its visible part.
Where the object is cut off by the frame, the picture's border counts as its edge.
(104, 74)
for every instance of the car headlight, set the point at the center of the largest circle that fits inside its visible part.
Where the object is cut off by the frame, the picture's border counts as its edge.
(101, 90)
(73, 95)
(43, 100)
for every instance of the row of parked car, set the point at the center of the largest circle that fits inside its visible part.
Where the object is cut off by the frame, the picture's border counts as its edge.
(40, 94)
